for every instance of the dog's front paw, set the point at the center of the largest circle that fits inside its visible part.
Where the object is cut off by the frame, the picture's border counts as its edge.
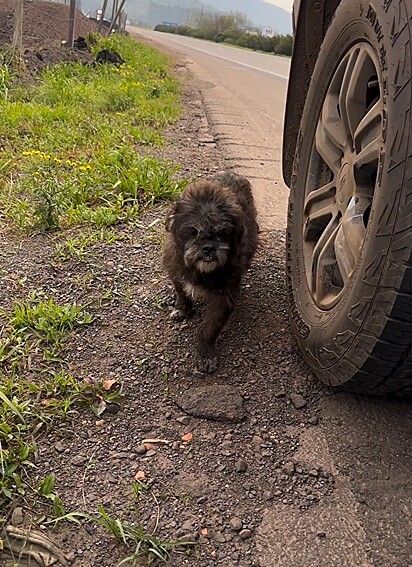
(208, 358)
(178, 315)
(209, 364)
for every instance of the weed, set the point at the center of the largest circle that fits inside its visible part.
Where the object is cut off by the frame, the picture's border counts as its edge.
(78, 247)
(137, 540)
(69, 151)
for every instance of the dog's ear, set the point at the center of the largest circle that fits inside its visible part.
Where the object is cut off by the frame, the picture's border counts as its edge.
(170, 219)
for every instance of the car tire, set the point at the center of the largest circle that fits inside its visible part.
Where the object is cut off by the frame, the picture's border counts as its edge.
(349, 235)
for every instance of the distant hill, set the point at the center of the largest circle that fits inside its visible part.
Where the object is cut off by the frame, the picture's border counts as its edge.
(152, 12)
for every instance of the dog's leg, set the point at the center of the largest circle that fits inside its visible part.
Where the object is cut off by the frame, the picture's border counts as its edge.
(183, 308)
(217, 312)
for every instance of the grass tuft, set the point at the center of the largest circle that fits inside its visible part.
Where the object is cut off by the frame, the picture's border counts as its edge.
(71, 142)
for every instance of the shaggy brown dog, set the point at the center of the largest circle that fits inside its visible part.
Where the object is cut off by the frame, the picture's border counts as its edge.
(212, 237)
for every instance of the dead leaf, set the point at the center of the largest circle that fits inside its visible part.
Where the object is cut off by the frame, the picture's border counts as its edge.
(108, 384)
(139, 475)
(187, 437)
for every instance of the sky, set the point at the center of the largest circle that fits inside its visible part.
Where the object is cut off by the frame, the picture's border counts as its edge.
(286, 4)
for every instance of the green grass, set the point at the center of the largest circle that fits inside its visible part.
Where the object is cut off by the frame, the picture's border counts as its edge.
(70, 143)
(35, 387)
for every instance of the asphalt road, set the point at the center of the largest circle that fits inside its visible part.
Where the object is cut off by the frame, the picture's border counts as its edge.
(245, 95)
(366, 444)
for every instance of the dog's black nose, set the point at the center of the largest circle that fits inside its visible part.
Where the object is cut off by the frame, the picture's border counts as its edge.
(208, 248)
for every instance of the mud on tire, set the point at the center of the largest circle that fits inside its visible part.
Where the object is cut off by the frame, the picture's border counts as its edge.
(349, 236)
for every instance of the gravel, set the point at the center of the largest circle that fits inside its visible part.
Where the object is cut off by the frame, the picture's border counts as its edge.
(245, 423)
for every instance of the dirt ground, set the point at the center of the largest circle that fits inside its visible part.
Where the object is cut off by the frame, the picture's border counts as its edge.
(245, 419)
(45, 28)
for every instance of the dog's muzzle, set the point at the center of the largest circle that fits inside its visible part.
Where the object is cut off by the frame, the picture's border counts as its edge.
(207, 258)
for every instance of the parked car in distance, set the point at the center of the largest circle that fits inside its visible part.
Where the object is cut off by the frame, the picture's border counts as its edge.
(347, 158)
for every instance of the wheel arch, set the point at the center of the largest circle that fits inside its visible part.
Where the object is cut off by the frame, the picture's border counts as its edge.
(311, 24)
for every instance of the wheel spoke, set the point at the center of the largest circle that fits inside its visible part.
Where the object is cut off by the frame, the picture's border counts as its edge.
(324, 260)
(352, 94)
(321, 257)
(349, 238)
(327, 148)
(369, 155)
(320, 198)
(370, 126)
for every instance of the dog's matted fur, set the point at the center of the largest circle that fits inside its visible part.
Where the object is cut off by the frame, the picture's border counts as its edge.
(212, 235)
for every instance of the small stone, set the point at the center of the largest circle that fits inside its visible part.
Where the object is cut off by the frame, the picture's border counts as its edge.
(141, 450)
(17, 517)
(189, 525)
(278, 493)
(151, 453)
(146, 428)
(313, 420)
(236, 524)
(79, 461)
(257, 441)
(288, 468)
(59, 447)
(184, 420)
(245, 534)
(280, 394)
(219, 537)
(321, 534)
(241, 466)
(298, 401)
(313, 472)
(71, 556)
(267, 495)
(197, 374)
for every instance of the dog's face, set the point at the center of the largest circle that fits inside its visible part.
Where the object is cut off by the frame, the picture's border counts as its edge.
(207, 226)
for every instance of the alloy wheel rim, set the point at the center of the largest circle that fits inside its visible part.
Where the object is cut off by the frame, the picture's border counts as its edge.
(342, 174)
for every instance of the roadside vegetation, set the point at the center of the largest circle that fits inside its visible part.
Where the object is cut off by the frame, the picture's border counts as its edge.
(75, 152)
(70, 142)
(232, 29)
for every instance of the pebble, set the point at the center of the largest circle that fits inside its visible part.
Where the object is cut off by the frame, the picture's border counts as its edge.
(288, 468)
(313, 472)
(245, 534)
(219, 537)
(236, 524)
(70, 556)
(151, 453)
(17, 517)
(184, 420)
(267, 495)
(313, 420)
(146, 427)
(59, 447)
(140, 449)
(298, 401)
(79, 460)
(241, 466)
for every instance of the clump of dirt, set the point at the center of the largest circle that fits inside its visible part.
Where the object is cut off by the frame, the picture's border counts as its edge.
(45, 29)
(44, 23)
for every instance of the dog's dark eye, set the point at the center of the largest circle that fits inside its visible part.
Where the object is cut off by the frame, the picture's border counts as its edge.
(192, 232)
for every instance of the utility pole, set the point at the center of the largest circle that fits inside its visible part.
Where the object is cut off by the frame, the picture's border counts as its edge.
(72, 16)
(116, 17)
(17, 42)
(102, 15)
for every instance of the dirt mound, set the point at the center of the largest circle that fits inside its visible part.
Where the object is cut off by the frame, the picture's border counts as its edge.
(44, 23)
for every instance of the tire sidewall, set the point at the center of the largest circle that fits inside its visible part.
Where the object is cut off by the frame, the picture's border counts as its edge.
(327, 337)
